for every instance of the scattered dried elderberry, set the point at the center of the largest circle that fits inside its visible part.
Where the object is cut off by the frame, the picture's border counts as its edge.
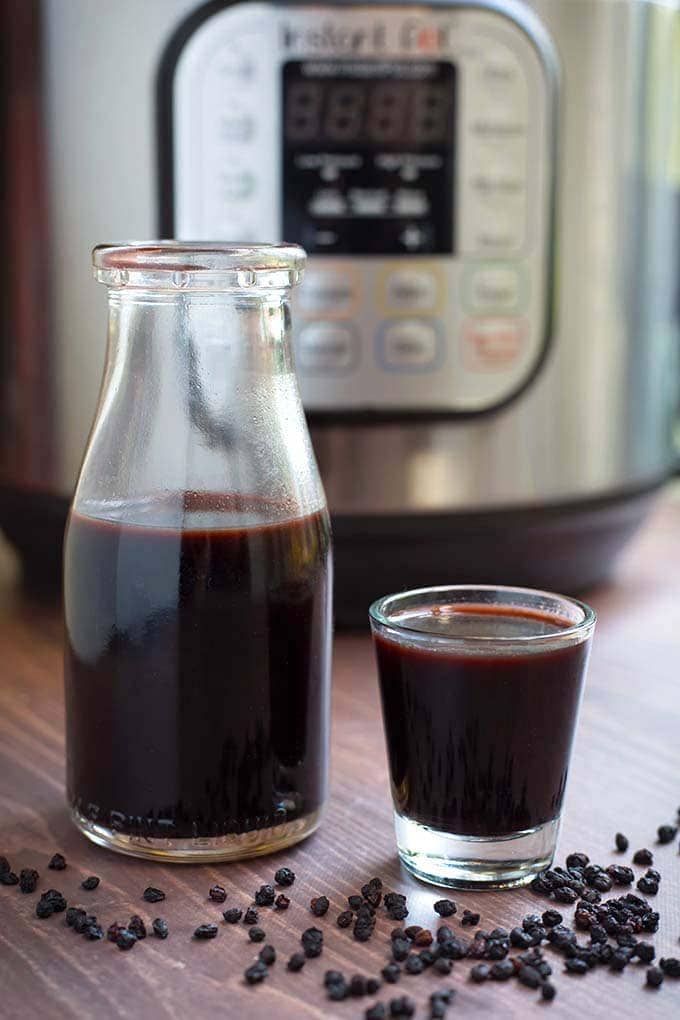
(125, 939)
(355, 902)
(217, 894)
(345, 919)
(296, 962)
(648, 885)
(206, 931)
(233, 915)
(250, 916)
(529, 976)
(400, 949)
(265, 896)
(8, 878)
(43, 909)
(414, 965)
(267, 955)
(643, 856)
(56, 900)
(372, 985)
(443, 966)
(480, 972)
(391, 973)
(312, 942)
(4, 865)
(376, 1012)
(548, 991)
(654, 977)
(72, 915)
(160, 928)
(282, 902)
(255, 973)
(576, 966)
(364, 924)
(152, 895)
(645, 952)
(502, 970)
(470, 919)
(137, 927)
(89, 883)
(28, 880)
(402, 1006)
(564, 894)
(357, 986)
(667, 833)
(620, 874)
(551, 918)
(319, 906)
(93, 932)
(577, 860)
(621, 842)
(256, 934)
(82, 922)
(337, 988)
(445, 908)
(284, 876)
(670, 966)
(58, 862)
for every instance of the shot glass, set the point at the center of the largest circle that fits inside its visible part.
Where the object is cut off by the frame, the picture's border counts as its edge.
(480, 687)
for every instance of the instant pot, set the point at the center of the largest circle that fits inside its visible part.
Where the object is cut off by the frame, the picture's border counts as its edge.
(487, 337)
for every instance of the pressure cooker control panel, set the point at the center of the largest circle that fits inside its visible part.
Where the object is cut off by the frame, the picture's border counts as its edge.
(411, 151)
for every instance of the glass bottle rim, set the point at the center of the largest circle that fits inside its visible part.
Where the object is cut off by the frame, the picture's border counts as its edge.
(198, 265)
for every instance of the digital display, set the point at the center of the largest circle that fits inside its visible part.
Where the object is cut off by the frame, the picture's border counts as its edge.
(380, 112)
(368, 155)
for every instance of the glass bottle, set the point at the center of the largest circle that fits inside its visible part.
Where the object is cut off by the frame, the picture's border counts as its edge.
(197, 577)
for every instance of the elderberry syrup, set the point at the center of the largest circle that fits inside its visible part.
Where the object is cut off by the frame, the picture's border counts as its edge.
(480, 693)
(197, 580)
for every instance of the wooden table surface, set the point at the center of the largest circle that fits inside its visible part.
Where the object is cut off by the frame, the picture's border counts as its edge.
(625, 776)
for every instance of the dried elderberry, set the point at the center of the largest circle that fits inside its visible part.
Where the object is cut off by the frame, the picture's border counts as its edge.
(28, 880)
(667, 833)
(256, 934)
(233, 915)
(284, 876)
(445, 908)
(58, 862)
(296, 962)
(282, 902)
(137, 927)
(319, 906)
(217, 894)
(312, 942)
(206, 931)
(265, 896)
(654, 977)
(89, 883)
(160, 928)
(256, 973)
(153, 895)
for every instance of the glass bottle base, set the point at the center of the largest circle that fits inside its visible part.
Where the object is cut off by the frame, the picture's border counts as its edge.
(201, 850)
(475, 862)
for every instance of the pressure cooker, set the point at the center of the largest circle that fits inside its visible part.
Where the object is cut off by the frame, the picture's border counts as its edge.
(487, 338)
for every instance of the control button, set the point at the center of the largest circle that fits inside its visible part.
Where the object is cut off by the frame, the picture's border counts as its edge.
(493, 289)
(412, 237)
(331, 292)
(411, 290)
(493, 344)
(237, 185)
(412, 345)
(322, 348)
(237, 128)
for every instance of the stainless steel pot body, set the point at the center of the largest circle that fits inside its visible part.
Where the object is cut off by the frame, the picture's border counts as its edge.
(594, 417)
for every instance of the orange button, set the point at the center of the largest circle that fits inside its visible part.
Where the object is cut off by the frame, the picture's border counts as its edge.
(493, 344)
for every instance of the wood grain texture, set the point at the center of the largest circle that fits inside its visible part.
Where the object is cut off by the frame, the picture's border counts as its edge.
(625, 776)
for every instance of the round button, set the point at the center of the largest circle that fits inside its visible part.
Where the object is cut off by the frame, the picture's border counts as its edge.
(327, 349)
(412, 345)
(494, 289)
